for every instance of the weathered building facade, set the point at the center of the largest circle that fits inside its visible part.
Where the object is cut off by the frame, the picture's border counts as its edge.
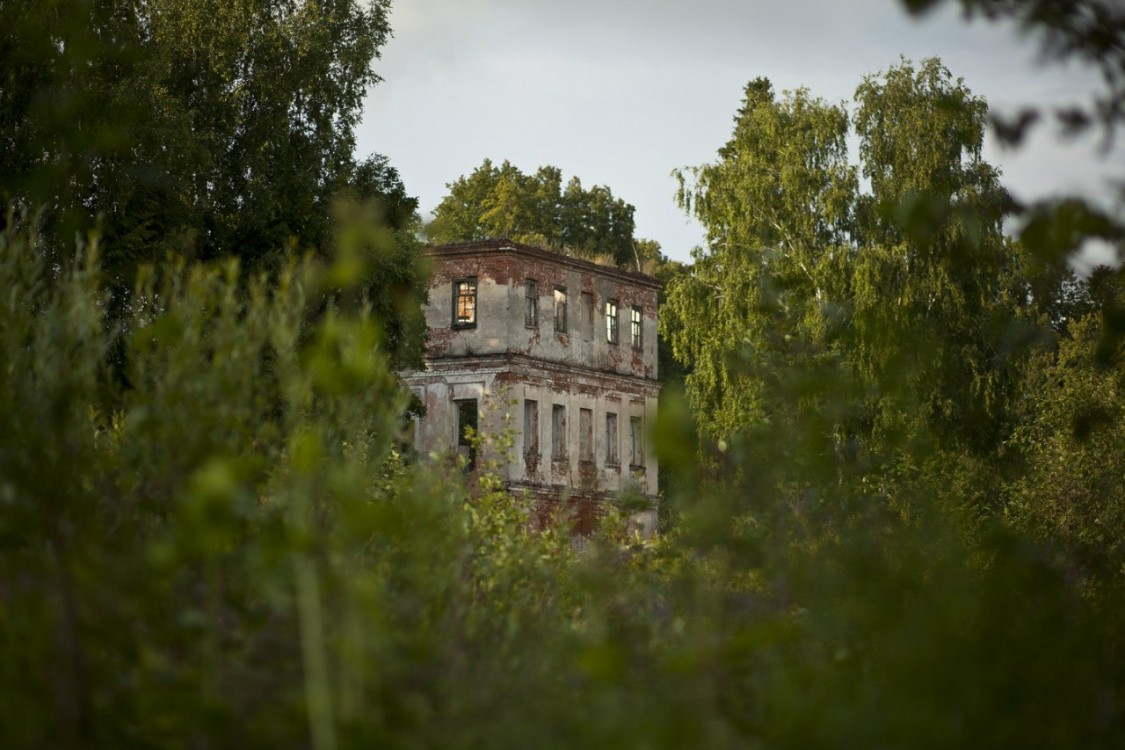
(555, 353)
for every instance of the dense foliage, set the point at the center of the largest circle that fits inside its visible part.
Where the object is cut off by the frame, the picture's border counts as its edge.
(224, 545)
(203, 129)
(890, 362)
(794, 247)
(206, 128)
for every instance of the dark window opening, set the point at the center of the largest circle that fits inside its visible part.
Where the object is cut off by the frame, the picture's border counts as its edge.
(531, 310)
(558, 432)
(467, 431)
(531, 428)
(636, 328)
(585, 435)
(588, 308)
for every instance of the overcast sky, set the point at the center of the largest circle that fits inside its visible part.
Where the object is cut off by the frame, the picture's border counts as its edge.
(621, 92)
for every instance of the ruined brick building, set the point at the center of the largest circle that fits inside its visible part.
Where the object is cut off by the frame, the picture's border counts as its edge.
(557, 352)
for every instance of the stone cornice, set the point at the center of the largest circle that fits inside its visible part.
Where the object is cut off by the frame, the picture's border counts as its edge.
(504, 360)
(500, 246)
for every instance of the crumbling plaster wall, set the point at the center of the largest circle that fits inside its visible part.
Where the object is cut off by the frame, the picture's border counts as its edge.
(501, 395)
(501, 327)
(502, 362)
(574, 391)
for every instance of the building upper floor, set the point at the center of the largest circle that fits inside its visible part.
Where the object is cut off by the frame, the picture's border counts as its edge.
(502, 297)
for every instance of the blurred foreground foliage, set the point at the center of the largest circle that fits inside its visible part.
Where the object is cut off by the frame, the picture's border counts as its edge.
(211, 535)
(911, 416)
(905, 529)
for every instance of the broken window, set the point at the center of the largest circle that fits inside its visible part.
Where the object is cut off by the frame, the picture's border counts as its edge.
(560, 309)
(611, 321)
(635, 328)
(531, 428)
(588, 309)
(415, 411)
(611, 456)
(465, 303)
(585, 435)
(467, 431)
(636, 447)
(531, 307)
(558, 431)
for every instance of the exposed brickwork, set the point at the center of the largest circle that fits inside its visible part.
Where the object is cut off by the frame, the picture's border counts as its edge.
(503, 363)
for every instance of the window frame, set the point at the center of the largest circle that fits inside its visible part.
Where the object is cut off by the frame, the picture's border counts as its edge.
(612, 439)
(636, 327)
(457, 322)
(587, 300)
(530, 428)
(558, 432)
(531, 303)
(561, 303)
(612, 332)
(586, 451)
(636, 442)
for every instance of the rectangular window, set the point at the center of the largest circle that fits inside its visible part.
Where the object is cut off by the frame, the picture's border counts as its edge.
(531, 308)
(636, 328)
(611, 456)
(465, 303)
(531, 428)
(636, 446)
(467, 431)
(558, 432)
(588, 309)
(611, 321)
(585, 435)
(560, 309)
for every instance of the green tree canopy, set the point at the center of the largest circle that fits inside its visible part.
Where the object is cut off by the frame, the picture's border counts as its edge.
(504, 202)
(776, 205)
(906, 286)
(1072, 440)
(932, 261)
(204, 127)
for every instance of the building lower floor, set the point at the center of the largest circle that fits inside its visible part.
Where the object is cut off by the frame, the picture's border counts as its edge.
(568, 436)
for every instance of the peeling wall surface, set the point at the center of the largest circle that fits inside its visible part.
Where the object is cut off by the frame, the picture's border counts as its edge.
(533, 368)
